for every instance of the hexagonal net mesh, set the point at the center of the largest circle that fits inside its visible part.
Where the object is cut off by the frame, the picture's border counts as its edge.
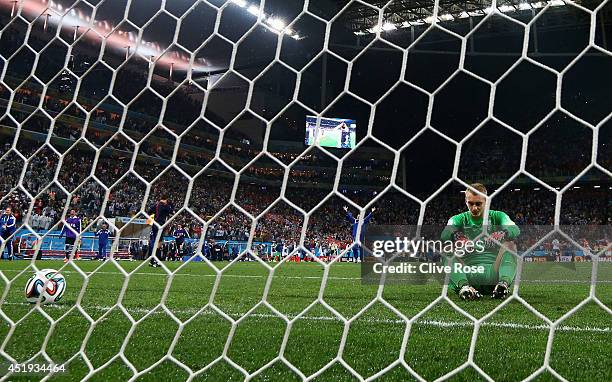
(170, 133)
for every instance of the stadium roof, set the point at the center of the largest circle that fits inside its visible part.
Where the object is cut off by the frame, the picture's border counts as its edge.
(361, 18)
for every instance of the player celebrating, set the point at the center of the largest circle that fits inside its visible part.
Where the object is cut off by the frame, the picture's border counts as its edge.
(357, 255)
(103, 235)
(556, 249)
(71, 229)
(498, 262)
(587, 251)
(345, 136)
(160, 210)
(7, 229)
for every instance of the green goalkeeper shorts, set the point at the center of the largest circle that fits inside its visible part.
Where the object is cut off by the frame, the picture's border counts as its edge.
(486, 281)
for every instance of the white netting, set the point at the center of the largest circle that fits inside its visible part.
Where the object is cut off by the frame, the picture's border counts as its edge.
(180, 64)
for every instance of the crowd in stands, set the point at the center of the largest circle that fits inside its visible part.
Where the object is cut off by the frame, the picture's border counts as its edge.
(198, 147)
(283, 223)
(58, 184)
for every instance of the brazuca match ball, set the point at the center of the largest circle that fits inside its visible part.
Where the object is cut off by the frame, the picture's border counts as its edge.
(46, 285)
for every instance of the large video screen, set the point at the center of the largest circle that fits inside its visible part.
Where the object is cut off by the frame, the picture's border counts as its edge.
(333, 132)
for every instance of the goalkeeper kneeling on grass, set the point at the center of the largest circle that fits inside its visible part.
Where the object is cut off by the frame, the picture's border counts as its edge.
(495, 257)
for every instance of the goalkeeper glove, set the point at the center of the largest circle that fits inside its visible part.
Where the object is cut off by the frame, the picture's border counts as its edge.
(494, 238)
(469, 293)
(459, 236)
(501, 290)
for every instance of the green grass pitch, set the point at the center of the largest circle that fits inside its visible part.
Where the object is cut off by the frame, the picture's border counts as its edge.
(510, 345)
(331, 139)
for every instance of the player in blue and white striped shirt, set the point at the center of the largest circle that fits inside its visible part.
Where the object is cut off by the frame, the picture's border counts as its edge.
(354, 221)
(7, 229)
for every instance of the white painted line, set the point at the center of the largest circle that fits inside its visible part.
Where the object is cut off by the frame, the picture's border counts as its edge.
(435, 323)
(523, 281)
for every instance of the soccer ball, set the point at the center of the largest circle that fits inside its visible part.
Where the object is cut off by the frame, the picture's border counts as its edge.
(46, 285)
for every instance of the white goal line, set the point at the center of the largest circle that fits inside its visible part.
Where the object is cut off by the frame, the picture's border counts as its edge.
(556, 281)
(434, 323)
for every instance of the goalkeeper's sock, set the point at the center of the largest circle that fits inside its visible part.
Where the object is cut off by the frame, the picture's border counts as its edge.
(507, 268)
(457, 279)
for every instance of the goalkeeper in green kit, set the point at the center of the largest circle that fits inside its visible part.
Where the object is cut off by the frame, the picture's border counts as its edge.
(498, 262)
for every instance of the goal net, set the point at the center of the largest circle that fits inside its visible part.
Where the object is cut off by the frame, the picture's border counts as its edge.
(224, 186)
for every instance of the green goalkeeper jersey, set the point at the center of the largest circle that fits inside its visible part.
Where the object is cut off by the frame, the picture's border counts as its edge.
(472, 227)
(496, 270)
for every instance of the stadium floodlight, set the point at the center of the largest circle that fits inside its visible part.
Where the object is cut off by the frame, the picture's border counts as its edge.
(463, 15)
(388, 27)
(254, 10)
(277, 24)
